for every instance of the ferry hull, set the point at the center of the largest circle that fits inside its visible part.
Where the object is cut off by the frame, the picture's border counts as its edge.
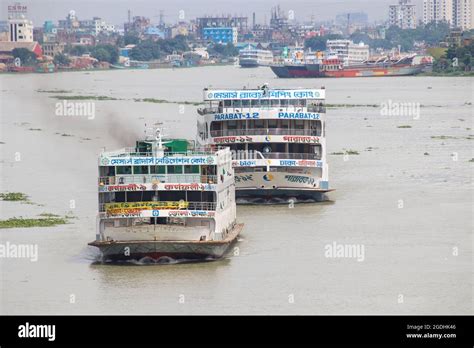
(276, 186)
(248, 63)
(313, 71)
(176, 250)
(280, 195)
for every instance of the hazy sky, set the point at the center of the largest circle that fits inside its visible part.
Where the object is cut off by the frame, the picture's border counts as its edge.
(115, 11)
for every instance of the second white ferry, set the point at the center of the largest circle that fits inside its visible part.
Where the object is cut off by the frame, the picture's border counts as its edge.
(277, 138)
(250, 57)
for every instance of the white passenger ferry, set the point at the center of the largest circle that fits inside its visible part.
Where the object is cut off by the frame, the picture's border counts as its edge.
(163, 199)
(277, 138)
(250, 57)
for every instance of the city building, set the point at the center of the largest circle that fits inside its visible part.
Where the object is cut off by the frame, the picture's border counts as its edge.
(21, 30)
(97, 26)
(137, 26)
(221, 35)
(6, 48)
(402, 15)
(278, 19)
(4, 31)
(53, 48)
(70, 23)
(458, 13)
(437, 11)
(221, 22)
(463, 14)
(349, 52)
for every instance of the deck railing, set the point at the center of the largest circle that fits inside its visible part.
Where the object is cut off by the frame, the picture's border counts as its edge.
(265, 131)
(165, 205)
(253, 155)
(131, 152)
(155, 178)
(284, 155)
(245, 109)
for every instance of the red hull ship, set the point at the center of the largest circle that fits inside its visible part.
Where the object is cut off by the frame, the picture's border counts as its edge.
(333, 67)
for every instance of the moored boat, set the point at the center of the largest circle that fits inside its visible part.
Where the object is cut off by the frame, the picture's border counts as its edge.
(334, 67)
(250, 57)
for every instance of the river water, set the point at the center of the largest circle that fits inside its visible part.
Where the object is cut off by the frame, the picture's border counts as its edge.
(406, 198)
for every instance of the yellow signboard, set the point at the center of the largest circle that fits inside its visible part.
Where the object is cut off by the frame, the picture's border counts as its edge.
(115, 207)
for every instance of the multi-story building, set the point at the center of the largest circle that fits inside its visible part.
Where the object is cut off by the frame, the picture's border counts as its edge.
(53, 48)
(221, 22)
(220, 35)
(402, 15)
(137, 26)
(101, 26)
(458, 13)
(463, 14)
(21, 30)
(437, 11)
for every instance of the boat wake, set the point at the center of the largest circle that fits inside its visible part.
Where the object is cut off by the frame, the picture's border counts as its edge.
(148, 261)
(274, 200)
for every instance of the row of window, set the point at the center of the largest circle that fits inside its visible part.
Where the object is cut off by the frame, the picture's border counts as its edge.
(239, 103)
(266, 123)
(128, 170)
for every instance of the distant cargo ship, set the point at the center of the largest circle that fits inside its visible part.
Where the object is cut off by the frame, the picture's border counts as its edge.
(334, 67)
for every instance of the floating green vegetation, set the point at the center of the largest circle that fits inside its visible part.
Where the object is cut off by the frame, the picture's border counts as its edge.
(470, 137)
(53, 91)
(442, 137)
(49, 215)
(152, 100)
(404, 126)
(35, 129)
(471, 160)
(83, 97)
(71, 217)
(163, 101)
(352, 105)
(41, 222)
(14, 196)
(345, 152)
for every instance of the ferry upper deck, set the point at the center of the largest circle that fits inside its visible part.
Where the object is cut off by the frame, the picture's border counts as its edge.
(251, 100)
